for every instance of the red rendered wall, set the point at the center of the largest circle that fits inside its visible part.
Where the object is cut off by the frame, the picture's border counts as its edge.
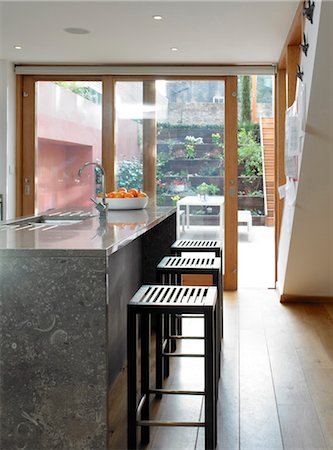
(57, 171)
(69, 134)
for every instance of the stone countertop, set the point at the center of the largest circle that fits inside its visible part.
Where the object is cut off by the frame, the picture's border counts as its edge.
(89, 237)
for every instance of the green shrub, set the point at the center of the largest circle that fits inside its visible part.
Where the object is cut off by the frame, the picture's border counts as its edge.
(130, 174)
(189, 126)
(250, 126)
(245, 99)
(204, 189)
(190, 151)
(249, 154)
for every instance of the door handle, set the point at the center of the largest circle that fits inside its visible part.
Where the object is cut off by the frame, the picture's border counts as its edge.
(231, 188)
(27, 186)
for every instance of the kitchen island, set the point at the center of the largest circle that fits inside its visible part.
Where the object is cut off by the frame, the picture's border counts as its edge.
(64, 286)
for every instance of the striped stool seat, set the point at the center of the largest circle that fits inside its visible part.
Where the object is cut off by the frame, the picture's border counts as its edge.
(198, 246)
(159, 300)
(192, 264)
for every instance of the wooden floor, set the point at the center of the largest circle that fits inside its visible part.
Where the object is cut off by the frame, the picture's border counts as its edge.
(276, 389)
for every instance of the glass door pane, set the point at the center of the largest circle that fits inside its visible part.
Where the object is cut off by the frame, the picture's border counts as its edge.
(190, 149)
(68, 134)
(256, 190)
(129, 134)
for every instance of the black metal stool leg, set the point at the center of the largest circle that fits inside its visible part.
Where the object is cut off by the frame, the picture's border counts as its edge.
(173, 280)
(166, 334)
(210, 370)
(173, 343)
(145, 350)
(132, 378)
(217, 360)
(179, 324)
(217, 283)
(159, 350)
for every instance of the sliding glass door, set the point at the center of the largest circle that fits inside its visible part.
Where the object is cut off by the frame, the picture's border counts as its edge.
(172, 138)
(190, 143)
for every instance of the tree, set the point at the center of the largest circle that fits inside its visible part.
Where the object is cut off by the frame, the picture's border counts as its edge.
(264, 89)
(246, 100)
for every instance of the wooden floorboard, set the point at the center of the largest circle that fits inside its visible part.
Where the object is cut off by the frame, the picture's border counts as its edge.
(276, 387)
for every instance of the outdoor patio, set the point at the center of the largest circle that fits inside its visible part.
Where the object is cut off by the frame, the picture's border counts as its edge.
(255, 256)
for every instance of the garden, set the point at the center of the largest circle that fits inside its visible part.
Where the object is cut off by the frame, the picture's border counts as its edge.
(190, 149)
(190, 161)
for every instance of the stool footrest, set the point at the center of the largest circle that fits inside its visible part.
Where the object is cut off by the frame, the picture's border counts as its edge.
(157, 423)
(175, 336)
(185, 355)
(140, 405)
(188, 316)
(176, 392)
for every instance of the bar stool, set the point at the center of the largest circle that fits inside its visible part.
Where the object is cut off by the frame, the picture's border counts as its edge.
(170, 270)
(158, 300)
(198, 245)
(205, 246)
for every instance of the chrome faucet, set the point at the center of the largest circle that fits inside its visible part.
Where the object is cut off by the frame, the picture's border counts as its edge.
(102, 206)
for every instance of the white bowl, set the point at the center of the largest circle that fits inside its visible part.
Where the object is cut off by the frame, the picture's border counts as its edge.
(127, 203)
(129, 217)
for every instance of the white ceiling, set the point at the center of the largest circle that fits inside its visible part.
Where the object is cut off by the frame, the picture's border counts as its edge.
(123, 32)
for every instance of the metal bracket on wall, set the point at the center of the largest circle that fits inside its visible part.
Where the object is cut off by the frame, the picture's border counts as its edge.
(300, 72)
(1, 206)
(305, 45)
(308, 10)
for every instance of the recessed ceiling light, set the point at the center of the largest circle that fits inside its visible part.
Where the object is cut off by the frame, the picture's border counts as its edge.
(157, 17)
(18, 47)
(73, 30)
(174, 49)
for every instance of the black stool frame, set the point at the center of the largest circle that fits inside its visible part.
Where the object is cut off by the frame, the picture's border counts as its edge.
(198, 245)
(170, 270)
(159, 300)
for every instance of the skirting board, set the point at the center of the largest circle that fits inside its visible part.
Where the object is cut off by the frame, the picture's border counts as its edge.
(297, 298)
(291, 298)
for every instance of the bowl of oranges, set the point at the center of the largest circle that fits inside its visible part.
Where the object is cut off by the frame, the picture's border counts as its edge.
(125, 199)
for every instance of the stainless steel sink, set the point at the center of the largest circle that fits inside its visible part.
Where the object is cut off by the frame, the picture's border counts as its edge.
(51, 219)
(60, 221)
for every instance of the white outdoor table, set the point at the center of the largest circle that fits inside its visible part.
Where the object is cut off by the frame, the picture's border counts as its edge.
(187, 202)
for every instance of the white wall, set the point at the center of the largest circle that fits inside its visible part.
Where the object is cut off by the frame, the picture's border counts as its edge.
(305, 266)
(7, 137)
(1, 30)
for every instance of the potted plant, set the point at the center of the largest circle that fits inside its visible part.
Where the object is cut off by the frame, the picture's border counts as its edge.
(203, 190)
(179, 186)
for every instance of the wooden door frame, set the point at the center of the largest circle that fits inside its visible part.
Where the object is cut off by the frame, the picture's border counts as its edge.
(231, 185)
(26, 135)
(25, 152)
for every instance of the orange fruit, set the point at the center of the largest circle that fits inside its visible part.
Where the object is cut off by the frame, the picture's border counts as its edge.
(122, 190)
(108, 195)
(100, 195)
(142, 194)
(119, 195)
(128, 195)
(134, 192)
